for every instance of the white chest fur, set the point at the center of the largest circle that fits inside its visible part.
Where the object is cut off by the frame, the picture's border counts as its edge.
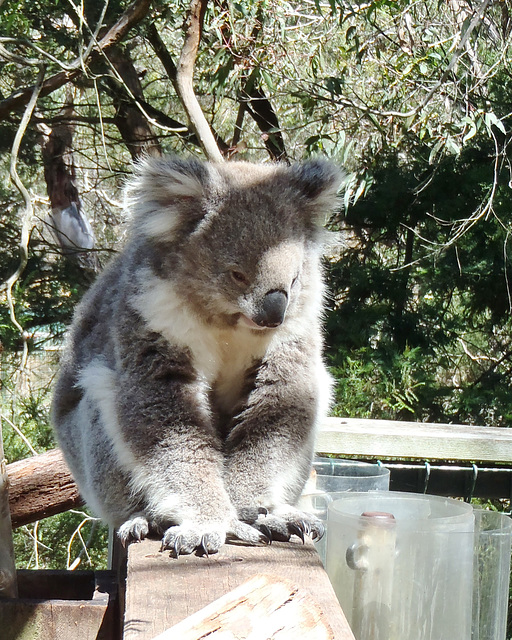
(225, 366)
(221, 357)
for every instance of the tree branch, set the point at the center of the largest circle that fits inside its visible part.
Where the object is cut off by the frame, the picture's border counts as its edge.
(184, 81)
(129, 119)
(262, 112)
(20, 98)
(163, 54)
(27, 216)
(170, 68)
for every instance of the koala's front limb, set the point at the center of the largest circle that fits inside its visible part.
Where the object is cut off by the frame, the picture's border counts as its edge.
(172, 454)
(270, 445)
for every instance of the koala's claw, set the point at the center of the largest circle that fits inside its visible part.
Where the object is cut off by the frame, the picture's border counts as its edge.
(176, 547)
(133, 530)
(298, 529)
(287, 521)
(318, 532)
(203, 546)
(266, 532)
(206, 539)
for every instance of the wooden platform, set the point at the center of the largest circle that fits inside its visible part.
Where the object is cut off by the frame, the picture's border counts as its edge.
(62, 605)
(162, 591)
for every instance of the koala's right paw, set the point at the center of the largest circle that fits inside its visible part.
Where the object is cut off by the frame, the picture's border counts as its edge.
(133, 530)
(286, 521)
(207, 538)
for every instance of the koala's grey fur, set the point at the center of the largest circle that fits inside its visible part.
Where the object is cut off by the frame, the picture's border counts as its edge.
(193, 379)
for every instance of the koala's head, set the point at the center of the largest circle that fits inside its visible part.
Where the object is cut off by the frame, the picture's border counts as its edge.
(240, 241)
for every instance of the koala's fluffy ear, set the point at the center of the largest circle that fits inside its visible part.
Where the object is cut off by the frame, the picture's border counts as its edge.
(166, 193)
(318, 181)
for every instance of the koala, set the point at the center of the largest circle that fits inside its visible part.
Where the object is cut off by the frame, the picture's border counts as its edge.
(192, 381)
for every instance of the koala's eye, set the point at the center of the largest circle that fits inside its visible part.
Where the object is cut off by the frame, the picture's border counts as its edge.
(294, 281)
(239, 278)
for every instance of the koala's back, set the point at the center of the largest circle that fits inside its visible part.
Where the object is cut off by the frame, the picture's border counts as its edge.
(91, 339)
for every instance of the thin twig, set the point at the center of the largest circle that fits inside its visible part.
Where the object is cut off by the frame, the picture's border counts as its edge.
(20, 433)
(27, 216)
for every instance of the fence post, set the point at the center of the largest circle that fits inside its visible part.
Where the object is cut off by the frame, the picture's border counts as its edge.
(8, 583)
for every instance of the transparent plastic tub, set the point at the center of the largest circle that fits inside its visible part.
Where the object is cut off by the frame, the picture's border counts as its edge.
(493, 537)
(401, 565)
(330, 479)
(330, 475)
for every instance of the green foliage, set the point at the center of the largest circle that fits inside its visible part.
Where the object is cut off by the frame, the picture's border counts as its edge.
(67, 540)
(407, 299)
(371, 385)
(412, 98)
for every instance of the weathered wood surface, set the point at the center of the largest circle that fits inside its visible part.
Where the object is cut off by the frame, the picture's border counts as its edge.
(39, 487)
(45, 609)
(162, 591)
(261, 608)
(418, 440)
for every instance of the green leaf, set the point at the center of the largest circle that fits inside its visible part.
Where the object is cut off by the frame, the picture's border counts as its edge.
(471, 129)
(491, 120)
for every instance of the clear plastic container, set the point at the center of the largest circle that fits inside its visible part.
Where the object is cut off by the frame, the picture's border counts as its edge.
(330, 475)
(401, 565)
(493, 536)
(329, 479)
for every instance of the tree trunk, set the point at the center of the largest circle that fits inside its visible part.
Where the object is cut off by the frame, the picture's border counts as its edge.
(130, 120)
(67, 221)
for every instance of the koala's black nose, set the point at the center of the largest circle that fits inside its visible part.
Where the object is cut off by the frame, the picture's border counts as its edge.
(272, 310)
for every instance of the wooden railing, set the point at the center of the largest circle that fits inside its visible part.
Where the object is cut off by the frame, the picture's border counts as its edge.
(387, 439)
(42, 485)
(161, 592)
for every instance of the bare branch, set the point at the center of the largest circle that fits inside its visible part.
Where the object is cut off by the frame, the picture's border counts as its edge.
(185, 85)
(163, 54)
(27, 216)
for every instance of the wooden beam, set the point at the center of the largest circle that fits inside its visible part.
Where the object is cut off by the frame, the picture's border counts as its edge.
(39, 487)
(387, 439)
(162, 591)
(57, 605)
(263, 604)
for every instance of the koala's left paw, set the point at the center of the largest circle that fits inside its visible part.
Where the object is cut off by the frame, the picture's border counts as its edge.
(187, 538)
(286, 521)
(133, 530)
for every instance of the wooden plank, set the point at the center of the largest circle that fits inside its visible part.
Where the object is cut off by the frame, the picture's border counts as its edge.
(162, 591)
(35, 617)
(386, 439)
(263, 607)
(39, 487)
